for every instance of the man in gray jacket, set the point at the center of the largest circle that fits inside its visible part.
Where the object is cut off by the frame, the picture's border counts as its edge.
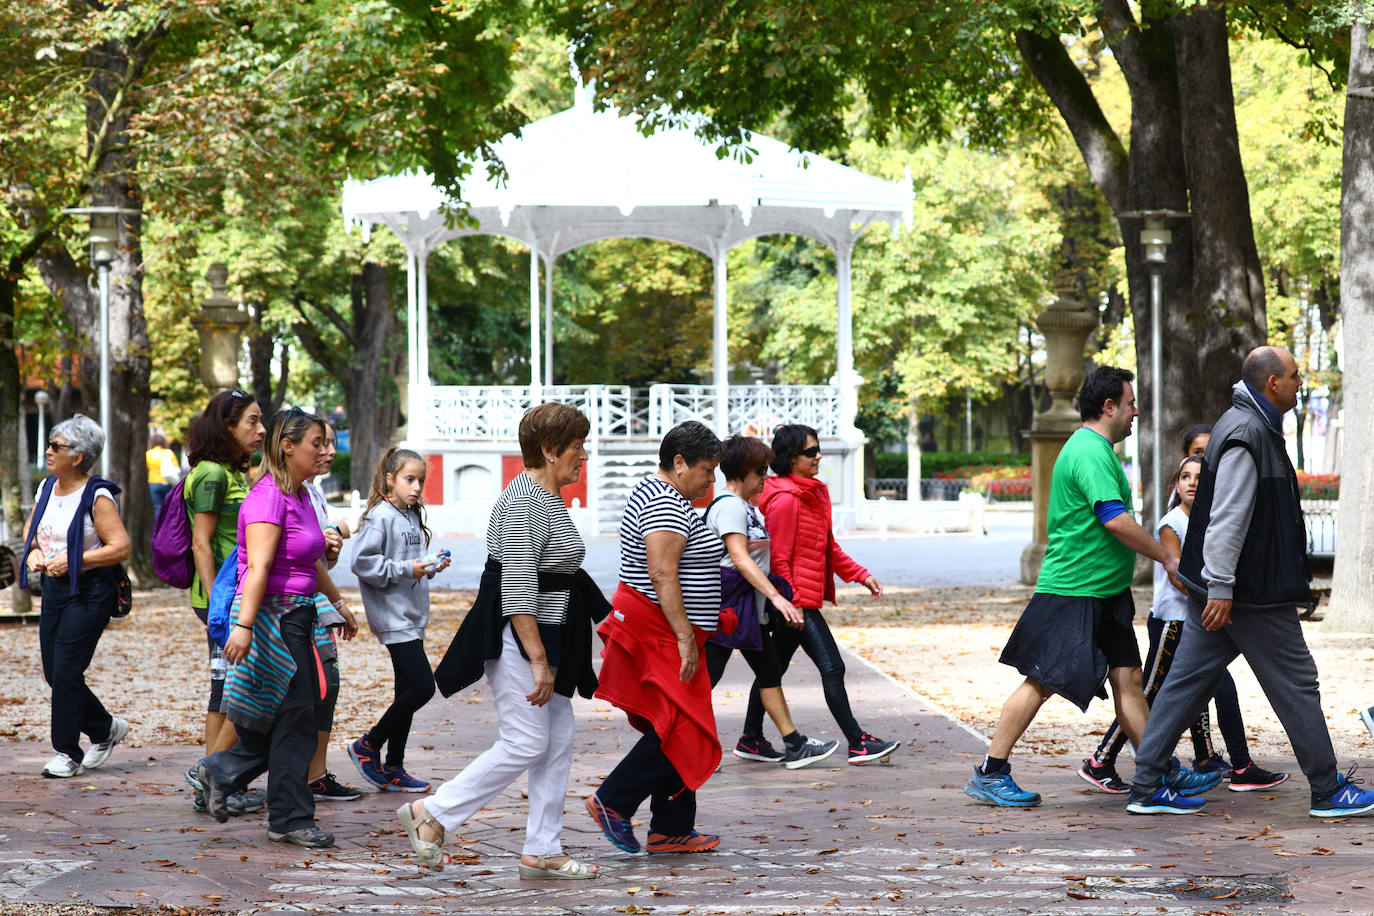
(1245, 565)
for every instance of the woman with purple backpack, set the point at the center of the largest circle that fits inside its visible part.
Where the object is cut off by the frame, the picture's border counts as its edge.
(221, 442)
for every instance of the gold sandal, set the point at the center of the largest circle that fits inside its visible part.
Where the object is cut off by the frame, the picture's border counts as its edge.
(431, 854)
(569, 869)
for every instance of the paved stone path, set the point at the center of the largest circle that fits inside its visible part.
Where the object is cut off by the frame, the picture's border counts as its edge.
(898, 838)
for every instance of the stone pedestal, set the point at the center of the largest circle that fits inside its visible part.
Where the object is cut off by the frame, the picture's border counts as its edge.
(1066, 325)
(220, 324)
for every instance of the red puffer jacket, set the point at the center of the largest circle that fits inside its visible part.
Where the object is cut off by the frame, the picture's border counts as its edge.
(796, 511)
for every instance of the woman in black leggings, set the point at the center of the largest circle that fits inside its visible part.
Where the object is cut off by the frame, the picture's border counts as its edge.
(747, 589)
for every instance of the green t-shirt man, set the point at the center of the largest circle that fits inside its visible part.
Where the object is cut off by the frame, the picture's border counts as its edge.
(1083, 559)
(217, 488)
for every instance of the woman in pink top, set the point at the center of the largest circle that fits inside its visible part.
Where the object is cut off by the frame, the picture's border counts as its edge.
(271, 694)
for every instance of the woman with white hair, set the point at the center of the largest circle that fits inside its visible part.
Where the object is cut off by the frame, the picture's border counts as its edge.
(72, 540)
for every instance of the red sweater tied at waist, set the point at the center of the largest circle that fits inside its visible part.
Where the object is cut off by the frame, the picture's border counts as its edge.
(639, 674)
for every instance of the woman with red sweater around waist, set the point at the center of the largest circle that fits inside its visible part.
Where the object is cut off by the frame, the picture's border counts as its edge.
(796, 511)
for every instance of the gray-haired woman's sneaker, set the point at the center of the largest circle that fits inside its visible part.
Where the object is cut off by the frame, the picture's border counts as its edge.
(311, 837)
(807, 753)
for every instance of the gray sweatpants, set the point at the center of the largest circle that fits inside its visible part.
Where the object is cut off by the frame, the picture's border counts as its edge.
(1273, 645)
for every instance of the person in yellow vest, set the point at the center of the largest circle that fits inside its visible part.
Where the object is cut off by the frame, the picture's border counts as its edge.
(163, 471)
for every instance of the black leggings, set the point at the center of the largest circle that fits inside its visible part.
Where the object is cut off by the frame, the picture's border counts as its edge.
(762, 661)
(1164, 637)
(414, 687)
(816, 640)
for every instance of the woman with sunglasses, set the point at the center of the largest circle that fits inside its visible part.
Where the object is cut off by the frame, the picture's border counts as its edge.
(72, 540)
(796, 511)
(221, 442)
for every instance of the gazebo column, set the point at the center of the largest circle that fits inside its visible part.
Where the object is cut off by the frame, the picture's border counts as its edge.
(535, 358)
(720, 344)
(846, 380)
(548, 319)
(422, 310)
(412, 399)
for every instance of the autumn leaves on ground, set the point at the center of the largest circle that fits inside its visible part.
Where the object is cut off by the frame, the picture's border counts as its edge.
(942, 643)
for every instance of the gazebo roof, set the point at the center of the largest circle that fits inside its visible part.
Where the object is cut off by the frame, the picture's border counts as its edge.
(581, 176)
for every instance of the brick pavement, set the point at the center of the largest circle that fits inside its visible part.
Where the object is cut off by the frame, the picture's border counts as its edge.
(898, 838)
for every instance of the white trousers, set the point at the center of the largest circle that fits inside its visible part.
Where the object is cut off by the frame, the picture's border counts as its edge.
(534, 739)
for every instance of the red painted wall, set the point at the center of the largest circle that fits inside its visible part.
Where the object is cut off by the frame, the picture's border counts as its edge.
(512, 465)
(434, 480)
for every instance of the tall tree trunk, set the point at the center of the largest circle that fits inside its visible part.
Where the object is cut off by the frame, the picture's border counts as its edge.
(1352, 587)
(11, 398)
(262, 345)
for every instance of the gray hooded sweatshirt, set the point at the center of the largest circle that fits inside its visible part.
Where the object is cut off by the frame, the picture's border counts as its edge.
(386, 546)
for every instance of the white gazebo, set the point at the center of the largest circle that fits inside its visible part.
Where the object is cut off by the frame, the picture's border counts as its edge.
(583, 176)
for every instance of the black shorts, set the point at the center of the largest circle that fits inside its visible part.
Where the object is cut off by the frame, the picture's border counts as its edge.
(1069, 644)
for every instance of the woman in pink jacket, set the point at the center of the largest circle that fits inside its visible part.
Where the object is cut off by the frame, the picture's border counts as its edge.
(796, 511)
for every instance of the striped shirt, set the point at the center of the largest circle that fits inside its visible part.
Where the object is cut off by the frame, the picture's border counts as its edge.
(530, 531)
(656, 506)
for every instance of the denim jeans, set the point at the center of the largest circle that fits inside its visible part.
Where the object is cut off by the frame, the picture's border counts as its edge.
(815, 638)
(69, 628)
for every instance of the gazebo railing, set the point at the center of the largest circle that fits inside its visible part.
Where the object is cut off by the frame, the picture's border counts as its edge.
(670, 405)
(756, 410)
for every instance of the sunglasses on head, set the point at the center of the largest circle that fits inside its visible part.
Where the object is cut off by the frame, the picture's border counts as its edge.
(811, 452)
(235, 395)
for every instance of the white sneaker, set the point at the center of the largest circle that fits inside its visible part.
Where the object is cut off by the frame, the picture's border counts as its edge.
(99, 753)
(63, 767)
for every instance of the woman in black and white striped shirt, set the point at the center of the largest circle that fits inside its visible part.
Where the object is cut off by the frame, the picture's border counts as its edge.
(530, 536)
(667, 604)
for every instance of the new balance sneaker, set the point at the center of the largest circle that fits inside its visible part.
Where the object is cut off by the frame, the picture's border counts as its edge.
(1103, 777)
(1367, 717)
(616, 828)
(1185, 782)
(1213, 764)
(62, 766)
(365, 758)
(807, 753)
(868, 748)
(100, 752)
(999, 789)
(248, 801)
(1164, 800)
(327, 788)
(659, 845)
(309, 837)
(756, 747)
(1348, 799)
(1252, 776)
(398, 780)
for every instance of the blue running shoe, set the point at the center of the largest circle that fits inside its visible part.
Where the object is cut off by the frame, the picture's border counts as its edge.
(616, 828)
(1164, 800)
(999, 789)
(398, 780)
(1348, 799)
(364, 757)
(1185, 782)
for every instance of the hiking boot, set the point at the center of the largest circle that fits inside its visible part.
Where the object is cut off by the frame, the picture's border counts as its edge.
(310, 837)
(1103, 777)
(1185, 782)
(100, 752)
(999, 789)
(616, 828)
(1348, 799)
(216, 796)
(756, 747)
(869, 748)
(659, 845)
(398, 780)
(807, 753)
(364, 757)
(1164, 800)
(62, 766)
(1253, 776)
(327, 788)
(200, 799)
(249, 801)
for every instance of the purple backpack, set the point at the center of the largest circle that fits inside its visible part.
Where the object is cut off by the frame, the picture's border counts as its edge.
(172, 560)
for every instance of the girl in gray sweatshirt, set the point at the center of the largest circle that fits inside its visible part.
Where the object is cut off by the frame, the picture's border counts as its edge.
(393, 577)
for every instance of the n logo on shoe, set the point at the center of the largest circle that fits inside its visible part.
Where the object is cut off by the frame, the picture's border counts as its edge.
(1348, 796)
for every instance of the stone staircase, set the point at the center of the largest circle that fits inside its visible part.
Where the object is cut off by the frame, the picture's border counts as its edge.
(622, 463)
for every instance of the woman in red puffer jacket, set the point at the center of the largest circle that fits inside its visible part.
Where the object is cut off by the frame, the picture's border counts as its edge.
(796, 511)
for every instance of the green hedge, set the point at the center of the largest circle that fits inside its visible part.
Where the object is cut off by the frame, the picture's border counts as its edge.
(893, 464)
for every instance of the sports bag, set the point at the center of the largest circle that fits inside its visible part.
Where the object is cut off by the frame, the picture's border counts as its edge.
(172, 560)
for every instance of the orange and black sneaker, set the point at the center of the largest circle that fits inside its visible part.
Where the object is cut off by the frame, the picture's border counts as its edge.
(658, 844)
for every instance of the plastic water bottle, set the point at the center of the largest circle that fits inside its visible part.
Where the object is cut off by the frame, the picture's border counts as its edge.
(219, 665)
(432, 559)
